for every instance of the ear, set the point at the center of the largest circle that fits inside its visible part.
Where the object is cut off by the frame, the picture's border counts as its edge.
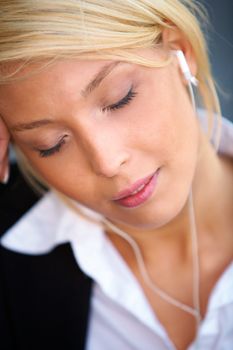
(173, 39)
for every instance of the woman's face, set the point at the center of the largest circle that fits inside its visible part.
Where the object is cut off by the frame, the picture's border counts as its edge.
(93, 140)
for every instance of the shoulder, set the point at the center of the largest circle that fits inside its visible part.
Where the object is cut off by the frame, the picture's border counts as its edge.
(222, 124)
(31, 224)
(40, 281)
(226, 142)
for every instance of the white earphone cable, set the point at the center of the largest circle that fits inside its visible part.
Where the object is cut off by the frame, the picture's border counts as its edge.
(195, 310)
(144, 271)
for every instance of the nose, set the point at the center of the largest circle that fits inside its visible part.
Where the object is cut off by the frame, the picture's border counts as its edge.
(105, 152)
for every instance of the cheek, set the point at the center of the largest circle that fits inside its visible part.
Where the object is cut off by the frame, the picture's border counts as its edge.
(66, 172)
(151, 121)
(163, 133)
(172, 138)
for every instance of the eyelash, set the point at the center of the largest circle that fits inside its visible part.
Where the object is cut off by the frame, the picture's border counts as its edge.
(122, 103)
(48, 152)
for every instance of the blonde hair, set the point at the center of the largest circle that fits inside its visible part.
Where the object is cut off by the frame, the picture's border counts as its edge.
(33, 31)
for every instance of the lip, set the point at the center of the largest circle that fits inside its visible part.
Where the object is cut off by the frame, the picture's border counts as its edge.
(127, 199)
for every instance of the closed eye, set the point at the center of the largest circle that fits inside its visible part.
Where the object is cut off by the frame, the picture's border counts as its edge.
(123, 102)
(50, 151)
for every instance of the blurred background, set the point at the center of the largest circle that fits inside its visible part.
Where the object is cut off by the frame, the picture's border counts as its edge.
(220, 42)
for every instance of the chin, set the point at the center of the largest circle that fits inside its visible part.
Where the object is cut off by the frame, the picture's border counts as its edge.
(155, 216)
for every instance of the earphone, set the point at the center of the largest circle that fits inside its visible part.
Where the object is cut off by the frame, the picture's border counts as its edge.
(191, 80)
(185, 68)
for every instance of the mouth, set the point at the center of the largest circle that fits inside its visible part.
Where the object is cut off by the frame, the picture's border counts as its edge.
(138, 193)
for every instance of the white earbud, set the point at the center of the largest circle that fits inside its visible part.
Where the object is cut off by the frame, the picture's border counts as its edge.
(185, 68)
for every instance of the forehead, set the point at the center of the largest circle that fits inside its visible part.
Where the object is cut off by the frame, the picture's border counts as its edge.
(53, 90)
(62, 74)
(16, 72)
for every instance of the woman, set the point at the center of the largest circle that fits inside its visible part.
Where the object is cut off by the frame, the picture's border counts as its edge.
(98, 100)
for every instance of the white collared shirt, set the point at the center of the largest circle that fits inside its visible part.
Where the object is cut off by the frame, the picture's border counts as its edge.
(121, 317)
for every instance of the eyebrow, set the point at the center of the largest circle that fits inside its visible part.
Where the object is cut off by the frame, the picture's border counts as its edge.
(95, 82)
(99, 77)
(31, 125)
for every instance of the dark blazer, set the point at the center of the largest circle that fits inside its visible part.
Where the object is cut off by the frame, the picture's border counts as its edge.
(44, 299)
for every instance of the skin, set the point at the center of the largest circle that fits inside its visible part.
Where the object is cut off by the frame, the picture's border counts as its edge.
(106, 151)
(4, 139)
